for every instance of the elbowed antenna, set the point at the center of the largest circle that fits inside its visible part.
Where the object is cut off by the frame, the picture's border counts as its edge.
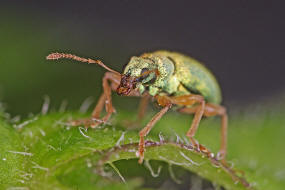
(55, 56)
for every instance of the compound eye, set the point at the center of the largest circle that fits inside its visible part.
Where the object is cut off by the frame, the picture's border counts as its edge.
(144, 74)
(144, 70)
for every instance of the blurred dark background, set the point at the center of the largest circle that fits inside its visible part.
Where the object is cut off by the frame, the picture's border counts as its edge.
(242, 42)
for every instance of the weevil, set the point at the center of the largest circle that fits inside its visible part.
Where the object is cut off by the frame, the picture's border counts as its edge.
(172, 80)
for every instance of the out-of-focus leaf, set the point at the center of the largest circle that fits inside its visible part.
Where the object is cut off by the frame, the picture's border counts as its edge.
(46, 154)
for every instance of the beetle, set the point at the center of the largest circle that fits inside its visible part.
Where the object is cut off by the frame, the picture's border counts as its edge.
(172, 80)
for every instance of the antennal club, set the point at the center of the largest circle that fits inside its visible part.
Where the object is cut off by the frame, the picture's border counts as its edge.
(56, 56)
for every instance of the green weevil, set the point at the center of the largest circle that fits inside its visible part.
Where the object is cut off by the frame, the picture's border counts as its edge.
(171, 79)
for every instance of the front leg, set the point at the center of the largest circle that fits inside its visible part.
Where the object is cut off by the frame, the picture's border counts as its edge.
(111, 82)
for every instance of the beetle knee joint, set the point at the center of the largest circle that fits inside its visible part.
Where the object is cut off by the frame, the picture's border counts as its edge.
(223, 111)
(190, 135)
(142, 133)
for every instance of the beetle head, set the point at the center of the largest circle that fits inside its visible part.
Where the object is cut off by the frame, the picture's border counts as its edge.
(146, 71)
(139, 71)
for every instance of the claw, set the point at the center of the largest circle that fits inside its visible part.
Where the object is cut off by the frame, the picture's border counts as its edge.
(101, 121)
(141, 150)
(141, 159)
(140, 155)
(195, 143)
(221, 155)
(92, 122)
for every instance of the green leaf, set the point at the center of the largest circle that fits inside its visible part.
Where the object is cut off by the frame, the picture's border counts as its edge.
(44, 153)
(11, 158)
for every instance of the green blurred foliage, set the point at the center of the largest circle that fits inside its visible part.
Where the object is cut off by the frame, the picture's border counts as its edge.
(57, 156)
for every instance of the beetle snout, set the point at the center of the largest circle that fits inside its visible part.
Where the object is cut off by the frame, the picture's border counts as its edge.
(127, 84)
(123, 91)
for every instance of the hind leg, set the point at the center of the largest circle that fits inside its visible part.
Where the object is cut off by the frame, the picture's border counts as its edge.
(166, 102)
(213, 110)
(201, 109)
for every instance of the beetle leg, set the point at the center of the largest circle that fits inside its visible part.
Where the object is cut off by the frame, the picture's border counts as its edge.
(115, 80)
(212, 110)
(188, 100)
(99, 106)
(143, 106)
(105, 99)
(141, 110)
(195, 123)
(147, 129)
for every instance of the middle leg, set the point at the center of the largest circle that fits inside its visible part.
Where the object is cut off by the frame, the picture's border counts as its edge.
(143, 106)
(147, 129)
(145, 97)
(189, 100)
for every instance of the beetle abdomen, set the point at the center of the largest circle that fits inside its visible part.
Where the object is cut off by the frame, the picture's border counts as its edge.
(194, 76)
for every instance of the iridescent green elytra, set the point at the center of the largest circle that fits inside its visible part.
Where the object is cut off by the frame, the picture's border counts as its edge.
(178, 75)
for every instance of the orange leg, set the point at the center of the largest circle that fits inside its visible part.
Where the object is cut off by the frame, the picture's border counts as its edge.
(141, 110)
(167, 102)
(143, 106)
(147, 129)
(212, 110)
(105, 99)
(99, 106)
(189, 100)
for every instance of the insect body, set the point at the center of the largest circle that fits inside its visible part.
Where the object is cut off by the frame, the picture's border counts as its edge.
(172, 79)
(178, 75)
